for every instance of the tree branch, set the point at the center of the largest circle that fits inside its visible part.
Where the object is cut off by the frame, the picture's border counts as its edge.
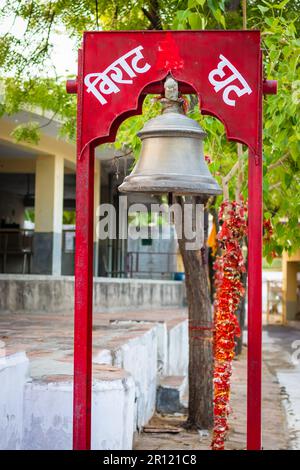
(279, 162)
(240, 170)
(153, 15)
(97, 14)
(227, 178)
(49, 121)
(244, 9)
(275, 185)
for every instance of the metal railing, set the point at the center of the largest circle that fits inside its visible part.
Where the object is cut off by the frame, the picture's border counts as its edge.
(134, 262)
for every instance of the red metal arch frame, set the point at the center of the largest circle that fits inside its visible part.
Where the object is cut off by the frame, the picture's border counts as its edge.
(115, 72)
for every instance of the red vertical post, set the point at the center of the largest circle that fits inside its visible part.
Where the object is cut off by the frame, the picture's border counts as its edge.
(83, 288)
(254, 305)
(83, 302)
(255, 231)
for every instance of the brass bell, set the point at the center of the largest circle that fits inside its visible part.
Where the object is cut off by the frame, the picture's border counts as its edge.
(171, 159)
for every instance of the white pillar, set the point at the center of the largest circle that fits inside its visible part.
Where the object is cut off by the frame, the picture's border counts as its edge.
(49, 188)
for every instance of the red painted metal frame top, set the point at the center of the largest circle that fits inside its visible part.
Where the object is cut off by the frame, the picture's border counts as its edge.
(115, 72)
(190, 57)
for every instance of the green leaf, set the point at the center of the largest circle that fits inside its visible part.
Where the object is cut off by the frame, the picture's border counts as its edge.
(281, 5)
(267, 3)
(215, 5)
(265, 170)
(181, 19)
(265, 186)
(294, 150)
(27, 133)
(192, 3)
(279, 229)
(262, 9)
(270, 21)
(288, 179)
(195, 20)
(219, 17)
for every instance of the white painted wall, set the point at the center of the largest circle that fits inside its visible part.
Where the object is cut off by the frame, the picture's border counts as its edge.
(178, 349)
(138, 356)
(29, 294)
(37, 413)
(13, 375)
(48, 410)
(113, 415)
(268, 276)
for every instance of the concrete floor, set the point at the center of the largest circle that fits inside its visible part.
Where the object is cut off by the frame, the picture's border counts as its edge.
(274, 420)
(280, 406)
(281, 348)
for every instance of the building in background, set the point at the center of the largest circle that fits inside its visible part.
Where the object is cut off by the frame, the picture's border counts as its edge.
(291, 286)
(37, 208)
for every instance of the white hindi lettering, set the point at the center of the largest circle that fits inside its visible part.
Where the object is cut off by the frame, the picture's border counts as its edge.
(226, 84)
(105, 83)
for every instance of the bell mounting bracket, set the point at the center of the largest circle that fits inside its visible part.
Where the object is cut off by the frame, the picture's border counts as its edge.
(116, 70)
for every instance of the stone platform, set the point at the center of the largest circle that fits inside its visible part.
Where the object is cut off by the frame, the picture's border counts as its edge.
(131, 349)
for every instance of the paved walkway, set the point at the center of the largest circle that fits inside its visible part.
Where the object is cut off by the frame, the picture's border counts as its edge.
(281, 347)
(275, 432)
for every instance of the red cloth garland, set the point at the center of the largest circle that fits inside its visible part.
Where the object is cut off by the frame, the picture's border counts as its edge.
(229, 291)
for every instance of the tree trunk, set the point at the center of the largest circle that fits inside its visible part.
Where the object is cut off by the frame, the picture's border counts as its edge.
(200, 412)
(153, 14)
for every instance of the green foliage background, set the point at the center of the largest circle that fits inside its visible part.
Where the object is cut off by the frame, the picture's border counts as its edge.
(25, 60)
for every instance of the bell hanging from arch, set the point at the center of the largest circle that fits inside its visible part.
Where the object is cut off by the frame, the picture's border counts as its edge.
(172, 159)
